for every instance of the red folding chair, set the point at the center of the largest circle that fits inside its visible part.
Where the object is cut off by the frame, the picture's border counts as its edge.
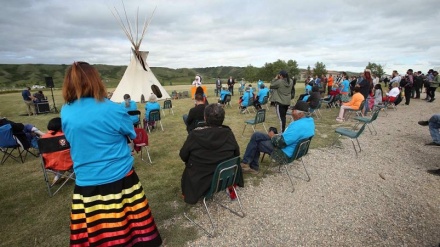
(141, 142)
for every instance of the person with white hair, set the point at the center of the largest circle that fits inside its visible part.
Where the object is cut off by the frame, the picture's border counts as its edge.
(151, 105)
(197, 81)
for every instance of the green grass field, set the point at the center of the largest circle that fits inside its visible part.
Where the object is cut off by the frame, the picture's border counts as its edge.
(30, 218)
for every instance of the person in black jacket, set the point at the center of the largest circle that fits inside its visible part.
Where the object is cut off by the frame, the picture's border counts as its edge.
(314, 98)
(196, 114)
(205, 148)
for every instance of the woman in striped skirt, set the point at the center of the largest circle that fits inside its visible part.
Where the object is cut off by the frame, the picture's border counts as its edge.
(109, 205)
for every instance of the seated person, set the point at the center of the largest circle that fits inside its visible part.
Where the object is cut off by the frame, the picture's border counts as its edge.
(251, 89)
(353, 104)
(151, 105)
(39, 97)
(196, 114)
(314, 98)
(244, 100)
(263, 92)
(223, 94)
(200, 91)
(130, 105)
(203, 150)
(393, 93)
(27, 134)
(57, 161)
(308, 90)
(302, 127)
(434, 129)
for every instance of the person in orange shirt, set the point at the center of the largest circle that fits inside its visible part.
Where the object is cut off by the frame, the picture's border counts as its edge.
(353, 104)
(329, 83)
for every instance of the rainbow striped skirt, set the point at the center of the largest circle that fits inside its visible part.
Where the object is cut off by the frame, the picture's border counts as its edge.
(114, 214)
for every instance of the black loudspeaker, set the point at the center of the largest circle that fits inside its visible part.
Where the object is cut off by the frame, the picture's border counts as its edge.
(42, 107)
(49, 82)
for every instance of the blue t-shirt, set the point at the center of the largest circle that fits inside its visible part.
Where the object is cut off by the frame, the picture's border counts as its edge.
(308, 89)
(297, 130)
(223, 94)
(346, 84)
(262, 93)
(26, 95)
(97, 132)
(245, 98)
(131, 107)
(149, 107)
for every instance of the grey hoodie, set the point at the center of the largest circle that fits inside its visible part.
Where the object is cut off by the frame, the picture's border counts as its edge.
(281, 91)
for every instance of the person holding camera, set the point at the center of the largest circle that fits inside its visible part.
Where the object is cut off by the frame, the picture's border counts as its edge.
(281, 93)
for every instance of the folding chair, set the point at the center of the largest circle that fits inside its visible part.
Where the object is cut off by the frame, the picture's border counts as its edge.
(136, 113)
(225, 176)
(154, 116)
(8, 143)
(352, 134)
(358, 111)
(55, 159)
(265, 101)
(328, 101)
(141, 142)
(369, 121)
(260, 117)
(227, 101)
(278, 156)
(167, 104)
(316, 110)
(250, 104)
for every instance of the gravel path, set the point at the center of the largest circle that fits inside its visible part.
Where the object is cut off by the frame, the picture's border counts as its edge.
(384, 197)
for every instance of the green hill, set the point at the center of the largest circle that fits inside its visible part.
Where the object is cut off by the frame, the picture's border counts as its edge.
(17, 76)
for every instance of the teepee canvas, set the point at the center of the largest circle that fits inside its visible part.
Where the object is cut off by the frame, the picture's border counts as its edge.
(138, 80)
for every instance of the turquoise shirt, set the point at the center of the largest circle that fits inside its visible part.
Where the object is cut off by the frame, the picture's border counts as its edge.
(97, 132)
(262, 93)
(297, 130)
(131, 107)
(149, 107)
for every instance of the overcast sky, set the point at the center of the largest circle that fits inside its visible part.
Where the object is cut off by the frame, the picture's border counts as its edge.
(343, 34)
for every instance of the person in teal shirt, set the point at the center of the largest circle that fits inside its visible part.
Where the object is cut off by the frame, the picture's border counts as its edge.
(151, 105)
(130, 105)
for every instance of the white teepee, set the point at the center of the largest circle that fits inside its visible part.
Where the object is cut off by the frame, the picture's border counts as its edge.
(138, 79)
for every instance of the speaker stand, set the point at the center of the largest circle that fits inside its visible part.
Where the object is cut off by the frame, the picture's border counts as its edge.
(54, 108)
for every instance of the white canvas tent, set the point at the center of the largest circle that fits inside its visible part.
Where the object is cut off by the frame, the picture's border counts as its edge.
(138, 79)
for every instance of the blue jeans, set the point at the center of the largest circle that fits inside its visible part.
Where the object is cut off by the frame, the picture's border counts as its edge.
(434, 128)
(259, 142)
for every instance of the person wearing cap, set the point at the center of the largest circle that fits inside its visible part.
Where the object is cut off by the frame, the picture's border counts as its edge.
(433, 85)
(263, 92)
(302, 127)
(282, 88)
(130, 105)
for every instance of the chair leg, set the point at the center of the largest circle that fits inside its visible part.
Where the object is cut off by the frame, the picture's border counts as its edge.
(375, 131)
(172, 111)
(304, 165)
(161, 125)
(290, 178)
(243, 129)
(265, 128)
(253, 128)
(354, 147)
(148, 154)
(163, 111)
(210, 234)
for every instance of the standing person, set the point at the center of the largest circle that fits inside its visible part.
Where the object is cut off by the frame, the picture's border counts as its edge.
(418, 83)
(28, 101)
(218, 86)
(231, 83)
(344, 87)
(109, 205)
(409, 81)
(433, 85)
(203, 150)
(197, 81)
(329, 83)
(366, 84)
(395, 77)
(378, 94)
(282, 88)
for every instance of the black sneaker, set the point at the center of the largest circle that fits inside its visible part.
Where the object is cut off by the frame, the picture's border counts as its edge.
(434, 172)
(432, 144)
(423, 123)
